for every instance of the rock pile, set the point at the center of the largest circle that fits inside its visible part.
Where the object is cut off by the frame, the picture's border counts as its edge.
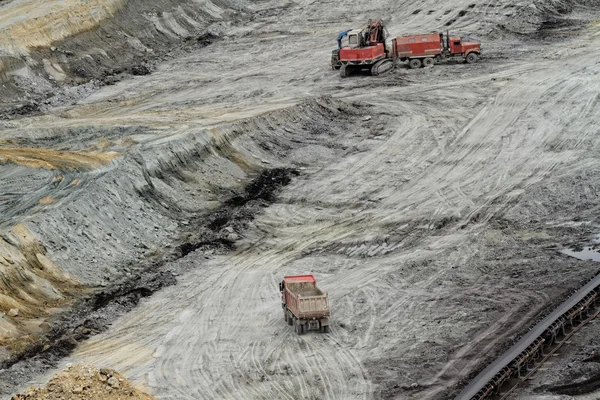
(85, 382)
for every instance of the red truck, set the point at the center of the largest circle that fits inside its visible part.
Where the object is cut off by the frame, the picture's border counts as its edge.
(366, 50)
(304, 305)
(426, 50)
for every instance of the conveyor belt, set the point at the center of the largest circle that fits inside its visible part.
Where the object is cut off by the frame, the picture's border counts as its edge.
(503, 361)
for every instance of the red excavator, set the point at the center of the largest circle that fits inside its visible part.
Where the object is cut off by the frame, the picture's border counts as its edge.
(365, 49)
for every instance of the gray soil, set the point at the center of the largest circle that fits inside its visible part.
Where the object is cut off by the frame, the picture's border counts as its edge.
(573, 373)
(196, 152)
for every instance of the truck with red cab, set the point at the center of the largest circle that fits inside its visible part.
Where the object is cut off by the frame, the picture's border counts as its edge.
(366, 49)
(304, 305)
(427, 49)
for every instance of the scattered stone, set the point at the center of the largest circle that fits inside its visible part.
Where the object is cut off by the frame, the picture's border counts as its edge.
(13, 312)
(44, 325)
(233, 237)
(113, 382)
(82, 382)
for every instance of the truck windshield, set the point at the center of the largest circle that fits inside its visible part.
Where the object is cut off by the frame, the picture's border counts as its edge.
(353, 40)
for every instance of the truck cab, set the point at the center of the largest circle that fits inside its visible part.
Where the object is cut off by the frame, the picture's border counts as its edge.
(458, 46)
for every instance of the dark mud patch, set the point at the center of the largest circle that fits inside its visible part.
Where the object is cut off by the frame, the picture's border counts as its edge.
(594, 358)
(585, 386)
(112, 76)
(558, 29)
(94, 313)
(264, 187)
(32, 108)
(202, 40)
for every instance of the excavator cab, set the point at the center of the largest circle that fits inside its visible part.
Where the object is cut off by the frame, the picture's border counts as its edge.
(370, 35)
(355, 39)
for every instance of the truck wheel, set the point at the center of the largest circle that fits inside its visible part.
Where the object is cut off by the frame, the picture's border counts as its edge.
(415, 63)
(428, 62)
(326, 329)
(290, 321)
(472, 58)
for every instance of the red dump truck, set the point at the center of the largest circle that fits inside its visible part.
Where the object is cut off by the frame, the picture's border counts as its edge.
(304, 305)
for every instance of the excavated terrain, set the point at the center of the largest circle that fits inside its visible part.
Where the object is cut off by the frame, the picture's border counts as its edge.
(163, 164)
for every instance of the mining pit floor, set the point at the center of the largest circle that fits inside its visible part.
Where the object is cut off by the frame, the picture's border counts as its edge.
(164, 164)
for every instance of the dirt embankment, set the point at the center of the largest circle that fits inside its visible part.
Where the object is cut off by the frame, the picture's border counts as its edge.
(57, 51)
(112, 233)
(544, 19)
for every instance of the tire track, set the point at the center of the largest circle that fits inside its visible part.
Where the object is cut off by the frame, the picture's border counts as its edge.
(219, 333)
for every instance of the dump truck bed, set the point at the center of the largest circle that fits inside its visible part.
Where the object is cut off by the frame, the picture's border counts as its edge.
(304, 299)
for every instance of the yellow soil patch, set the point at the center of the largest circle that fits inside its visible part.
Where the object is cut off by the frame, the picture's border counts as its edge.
(47, 200)
(54, 159)
(30, 283)
(39, 23)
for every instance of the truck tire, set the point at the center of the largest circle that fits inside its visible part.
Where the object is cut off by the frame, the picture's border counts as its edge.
(428, 62)
(471, 58)
(414, 63)
(298, 328)
(290, 321)
(325, 329)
